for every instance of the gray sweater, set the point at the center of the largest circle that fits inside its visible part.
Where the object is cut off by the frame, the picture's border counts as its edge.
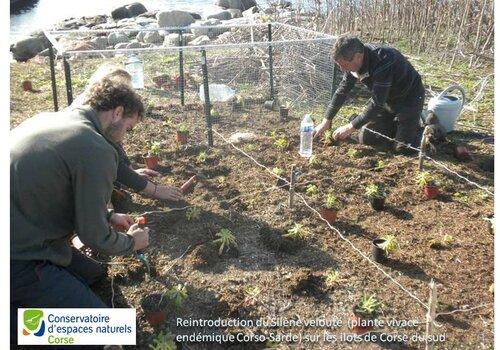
(62, 171)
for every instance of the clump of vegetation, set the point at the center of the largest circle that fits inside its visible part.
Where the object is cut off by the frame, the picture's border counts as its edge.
(331, 202)
(163, 341)
(424, 178)
(331, 278)
(353, 153)
(280, 143)
(312, 189)
(461, 197)
(193, 213)
(278, 171)
(314, 161)
(221, 180)
(297, 232)
(214, 113)
(177, 294)
(225, 240)
(445, 242)
(155, 149)
(379, 165)
(182, 129)
(251, 294)
(328, 135)
(167, 123)
(375, 191)
(389, 245)
(368, 306)
(202, 157)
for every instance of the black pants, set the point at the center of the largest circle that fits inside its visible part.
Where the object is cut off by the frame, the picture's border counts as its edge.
(400, 122)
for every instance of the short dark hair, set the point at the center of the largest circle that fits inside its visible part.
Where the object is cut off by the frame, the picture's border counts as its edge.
(346, 47)
(108, 94)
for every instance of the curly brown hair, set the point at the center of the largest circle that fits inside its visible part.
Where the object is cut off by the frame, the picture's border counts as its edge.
(108, 94)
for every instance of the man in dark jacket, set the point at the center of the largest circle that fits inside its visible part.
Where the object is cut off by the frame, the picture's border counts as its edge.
(397, 94)
(62, 170)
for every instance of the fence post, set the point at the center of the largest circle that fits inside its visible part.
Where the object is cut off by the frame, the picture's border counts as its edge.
(292, 184)
(181, 68)
(67, 77)
(270, 49)
(423, 146)
(208, 117)
(431, 314)
(53, 78)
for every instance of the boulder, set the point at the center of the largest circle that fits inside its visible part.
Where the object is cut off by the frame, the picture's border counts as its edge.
(144, 20)
(195, 15)
(172, 40)
(140, 36)
(121, 46)
(136, 8)
(28, 48)
(250, 12)
(149, 14)
(134, 45)
(248, 4)
(222, 15)
(116, 38)
(201, 40)
(235, 13)
(100, 42)
(153, 37)
(120, 13)
(95, 20)
(174, 18)
(236, 4)
(72, 23)
(211, 32)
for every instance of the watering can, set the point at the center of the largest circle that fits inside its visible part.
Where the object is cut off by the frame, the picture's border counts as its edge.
(447, 108)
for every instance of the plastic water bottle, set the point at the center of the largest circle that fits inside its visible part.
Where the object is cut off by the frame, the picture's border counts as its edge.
(306, 136)
(134, 68)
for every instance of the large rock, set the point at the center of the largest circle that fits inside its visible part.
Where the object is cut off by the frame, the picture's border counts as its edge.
(28, 48)
(120, 13)
(144, 20)
(248, 4)
(140, 36)
(115, 38)
(136, 8)
(234, 4)
(174, 18)
(210, 32)
(134, 45)
(173, 39)
(222, 15)
(100, 42)
(153, 37)
(95, 20)
(250, 12)
(201, 40)
(195, 15)
(235, 13)
(71, 23)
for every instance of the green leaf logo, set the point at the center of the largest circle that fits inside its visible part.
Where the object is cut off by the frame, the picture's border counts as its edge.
(32, 319)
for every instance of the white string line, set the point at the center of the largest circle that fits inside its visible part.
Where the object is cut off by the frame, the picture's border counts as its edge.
(463, 310)
(338, 232)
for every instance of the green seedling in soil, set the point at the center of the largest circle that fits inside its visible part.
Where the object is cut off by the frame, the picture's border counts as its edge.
(250, 148)
(251, 294)
(177, 294)
(155, 149)
(425, 179)
(390, 244)
(167, 123)
(221, 180)
(444, 243)
(353, 153)
(368, 305)
(297, 231)
(280, 143)
(193, 213)
(214, 113)
(278, 171)
(379, 165)
(163, 341)
(170, 180)
(202, 157)
(375, 191)
(461, 198)
(273, 133)
(312, 189)
(314, 161)
(331, 278)
(225, 239)
(328, 136)
(182, 128)
(331, 202)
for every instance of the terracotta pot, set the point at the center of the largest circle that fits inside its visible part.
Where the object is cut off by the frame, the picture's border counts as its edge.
(154, 307)
(182, 137)
(157, 317)
(329, 215)
(151, 162)
(377, 253)
(27, 86)
(357, 320)
(430, 192)
(377, 203)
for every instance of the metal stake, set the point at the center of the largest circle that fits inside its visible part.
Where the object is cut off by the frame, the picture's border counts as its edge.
(270, 49)
(208, 117)
(292, 184)
(67, 77)
(53, 78)
(181, 69)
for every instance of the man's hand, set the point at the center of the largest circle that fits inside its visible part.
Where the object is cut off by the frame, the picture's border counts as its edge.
(341, 133)
(321, 128)
(140, 236)
(147, 173)
(168, 193)
(121, 222)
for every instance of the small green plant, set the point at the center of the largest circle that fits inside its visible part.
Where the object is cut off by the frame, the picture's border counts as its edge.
(278, 171)
(328, 136)
(314, 161)
(167, 123)
(425, 179)
(379, 165)
(353, 153)
(445, 242)
(163, 341)
(202, 157)
(155, 149)
(461, 198)
(297, 231)
(183, 129)
(280, 143)
(253, 291)
(375, 191)
(250, 147)
(312, 189)
(368, 305)
(273, 133)
(331, 278)
(177, 294)
(389, 245)
(225, 239)
(331, 202)
(214, 113)
(221, 180)
(193, 213)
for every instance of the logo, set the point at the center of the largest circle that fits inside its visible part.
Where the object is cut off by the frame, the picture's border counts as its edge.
(31, 319)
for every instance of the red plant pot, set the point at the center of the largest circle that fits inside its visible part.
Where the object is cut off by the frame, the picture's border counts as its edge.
(430, 192)
(329, 215)
(156, 317)
(357, 328)
(27, 86)
(182, 137)
(151, 162)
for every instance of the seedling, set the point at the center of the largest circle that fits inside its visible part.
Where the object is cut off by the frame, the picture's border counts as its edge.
(425, 179)
(379, 165)
(280, 143)
(225, 239)
(251, 295)
(328, 137)
(182, 134)
(177, 295)
(353, 153)
(375, 191)
(314, 161)
(297, 231)
(273, 133)
(331, 202)
(368, 306)
(331, 278)
(461, 198)
(155, 149)
(163, 341)
(389, 244)
(182, 129)
(444, 243)
(312, 189)
(167, 123)
(202, 157)
(221, 180)
(278, 171)
(193, 213)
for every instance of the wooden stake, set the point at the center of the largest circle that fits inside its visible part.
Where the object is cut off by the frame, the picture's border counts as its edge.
(431, 314)
(423, 146)
(292, 184)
